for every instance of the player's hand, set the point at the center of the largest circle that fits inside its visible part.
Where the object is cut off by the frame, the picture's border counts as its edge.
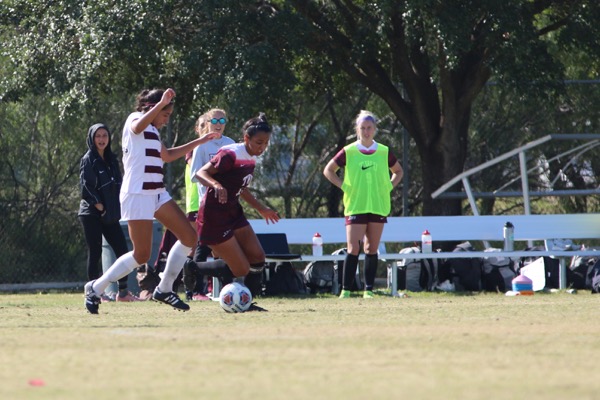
(269, 215)
(167, 97)
(209, 136)
(221, 194)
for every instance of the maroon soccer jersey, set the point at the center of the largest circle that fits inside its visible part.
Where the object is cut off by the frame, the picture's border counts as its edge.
(216, 221)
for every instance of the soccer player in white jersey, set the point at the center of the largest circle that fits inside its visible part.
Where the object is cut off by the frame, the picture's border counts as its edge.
(144, 197)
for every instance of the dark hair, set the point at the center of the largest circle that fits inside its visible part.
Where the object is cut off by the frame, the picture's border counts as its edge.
(148, 99)
(257, 124)
(108, 153)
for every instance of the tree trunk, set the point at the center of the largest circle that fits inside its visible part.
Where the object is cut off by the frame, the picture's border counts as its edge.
(443, 158)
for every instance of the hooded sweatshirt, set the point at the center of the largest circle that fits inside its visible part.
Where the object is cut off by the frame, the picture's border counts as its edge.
(100, 180)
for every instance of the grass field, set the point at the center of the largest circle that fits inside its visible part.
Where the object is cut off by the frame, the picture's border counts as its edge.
(428, 346)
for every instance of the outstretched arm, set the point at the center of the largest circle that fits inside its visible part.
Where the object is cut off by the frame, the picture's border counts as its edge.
(174, 153)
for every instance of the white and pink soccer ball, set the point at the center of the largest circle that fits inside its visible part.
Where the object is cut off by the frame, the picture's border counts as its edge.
(235, 298)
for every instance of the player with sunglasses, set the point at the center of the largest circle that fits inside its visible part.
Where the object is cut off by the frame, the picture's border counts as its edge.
(214, 120)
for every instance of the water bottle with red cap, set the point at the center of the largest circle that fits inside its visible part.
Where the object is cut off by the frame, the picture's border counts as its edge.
(317, 245)
(426, 242)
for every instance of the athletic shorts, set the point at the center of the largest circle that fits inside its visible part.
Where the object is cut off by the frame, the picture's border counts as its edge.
(135, 206)
(363, 219)
(217, 225)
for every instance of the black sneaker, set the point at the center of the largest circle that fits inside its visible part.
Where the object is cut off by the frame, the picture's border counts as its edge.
(254, 307)
(189, 295)
(171, 299)
(92, 301)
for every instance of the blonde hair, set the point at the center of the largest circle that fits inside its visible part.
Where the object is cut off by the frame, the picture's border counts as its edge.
(212, 111)
(201, 126)
(365, 115)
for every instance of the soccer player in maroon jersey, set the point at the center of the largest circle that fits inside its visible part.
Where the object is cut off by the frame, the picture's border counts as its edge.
(222, 224)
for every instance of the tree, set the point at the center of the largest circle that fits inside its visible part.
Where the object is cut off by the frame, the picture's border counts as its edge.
(429, 60)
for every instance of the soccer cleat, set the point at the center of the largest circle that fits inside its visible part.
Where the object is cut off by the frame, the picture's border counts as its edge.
(171, 299)
(127, 298)
(368, 294)
(254, 307)
(345, 294)
(92, 301)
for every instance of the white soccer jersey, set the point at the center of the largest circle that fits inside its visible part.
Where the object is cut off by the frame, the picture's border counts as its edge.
(141, 159)
(203, 154)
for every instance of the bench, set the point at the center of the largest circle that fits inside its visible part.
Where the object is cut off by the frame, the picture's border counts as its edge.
(485, 228)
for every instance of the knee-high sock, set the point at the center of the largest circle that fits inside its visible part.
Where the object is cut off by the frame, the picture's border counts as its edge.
(350, 265)
(189, 275)
(253, 280)
(123, 266)
(371, 261)
(177, 256)
(216, 268)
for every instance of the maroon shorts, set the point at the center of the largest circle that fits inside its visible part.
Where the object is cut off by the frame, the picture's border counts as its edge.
(363, 219)
(217, 225)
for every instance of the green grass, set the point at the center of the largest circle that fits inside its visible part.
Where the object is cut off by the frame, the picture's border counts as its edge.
(431, 345)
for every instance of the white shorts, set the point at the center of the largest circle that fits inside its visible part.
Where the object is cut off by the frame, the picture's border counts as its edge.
(136, 206)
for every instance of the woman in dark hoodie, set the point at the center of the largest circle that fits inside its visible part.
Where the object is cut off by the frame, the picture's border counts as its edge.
(100, 210)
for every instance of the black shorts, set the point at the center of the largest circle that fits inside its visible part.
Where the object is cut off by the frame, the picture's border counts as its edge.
(363, 219)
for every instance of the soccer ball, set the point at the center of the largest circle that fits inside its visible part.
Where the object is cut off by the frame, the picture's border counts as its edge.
(235, 298)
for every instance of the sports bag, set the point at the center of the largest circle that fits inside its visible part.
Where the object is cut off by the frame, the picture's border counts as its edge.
(281, 278)
(319, 276)
(498, 272)
(415, 275)
(579, 272)
(465, 273)
(595, 277)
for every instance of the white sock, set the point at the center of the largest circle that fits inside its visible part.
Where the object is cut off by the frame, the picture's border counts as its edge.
(123, 266)
(175, 261)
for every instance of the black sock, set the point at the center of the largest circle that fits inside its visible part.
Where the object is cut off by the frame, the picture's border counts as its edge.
(350, 265)
(216, 268)
(371, 261)
(189, 276)
(123, 285)
(253, 280)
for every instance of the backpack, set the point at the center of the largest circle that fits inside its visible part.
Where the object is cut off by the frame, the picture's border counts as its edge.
(415, 275)
(498, 273)
(465, 273)
(320, 276)
(281, 278)
(595, 277)
(579, 272)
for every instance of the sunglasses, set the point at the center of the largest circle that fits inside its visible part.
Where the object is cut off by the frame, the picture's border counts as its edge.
(215, 121)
